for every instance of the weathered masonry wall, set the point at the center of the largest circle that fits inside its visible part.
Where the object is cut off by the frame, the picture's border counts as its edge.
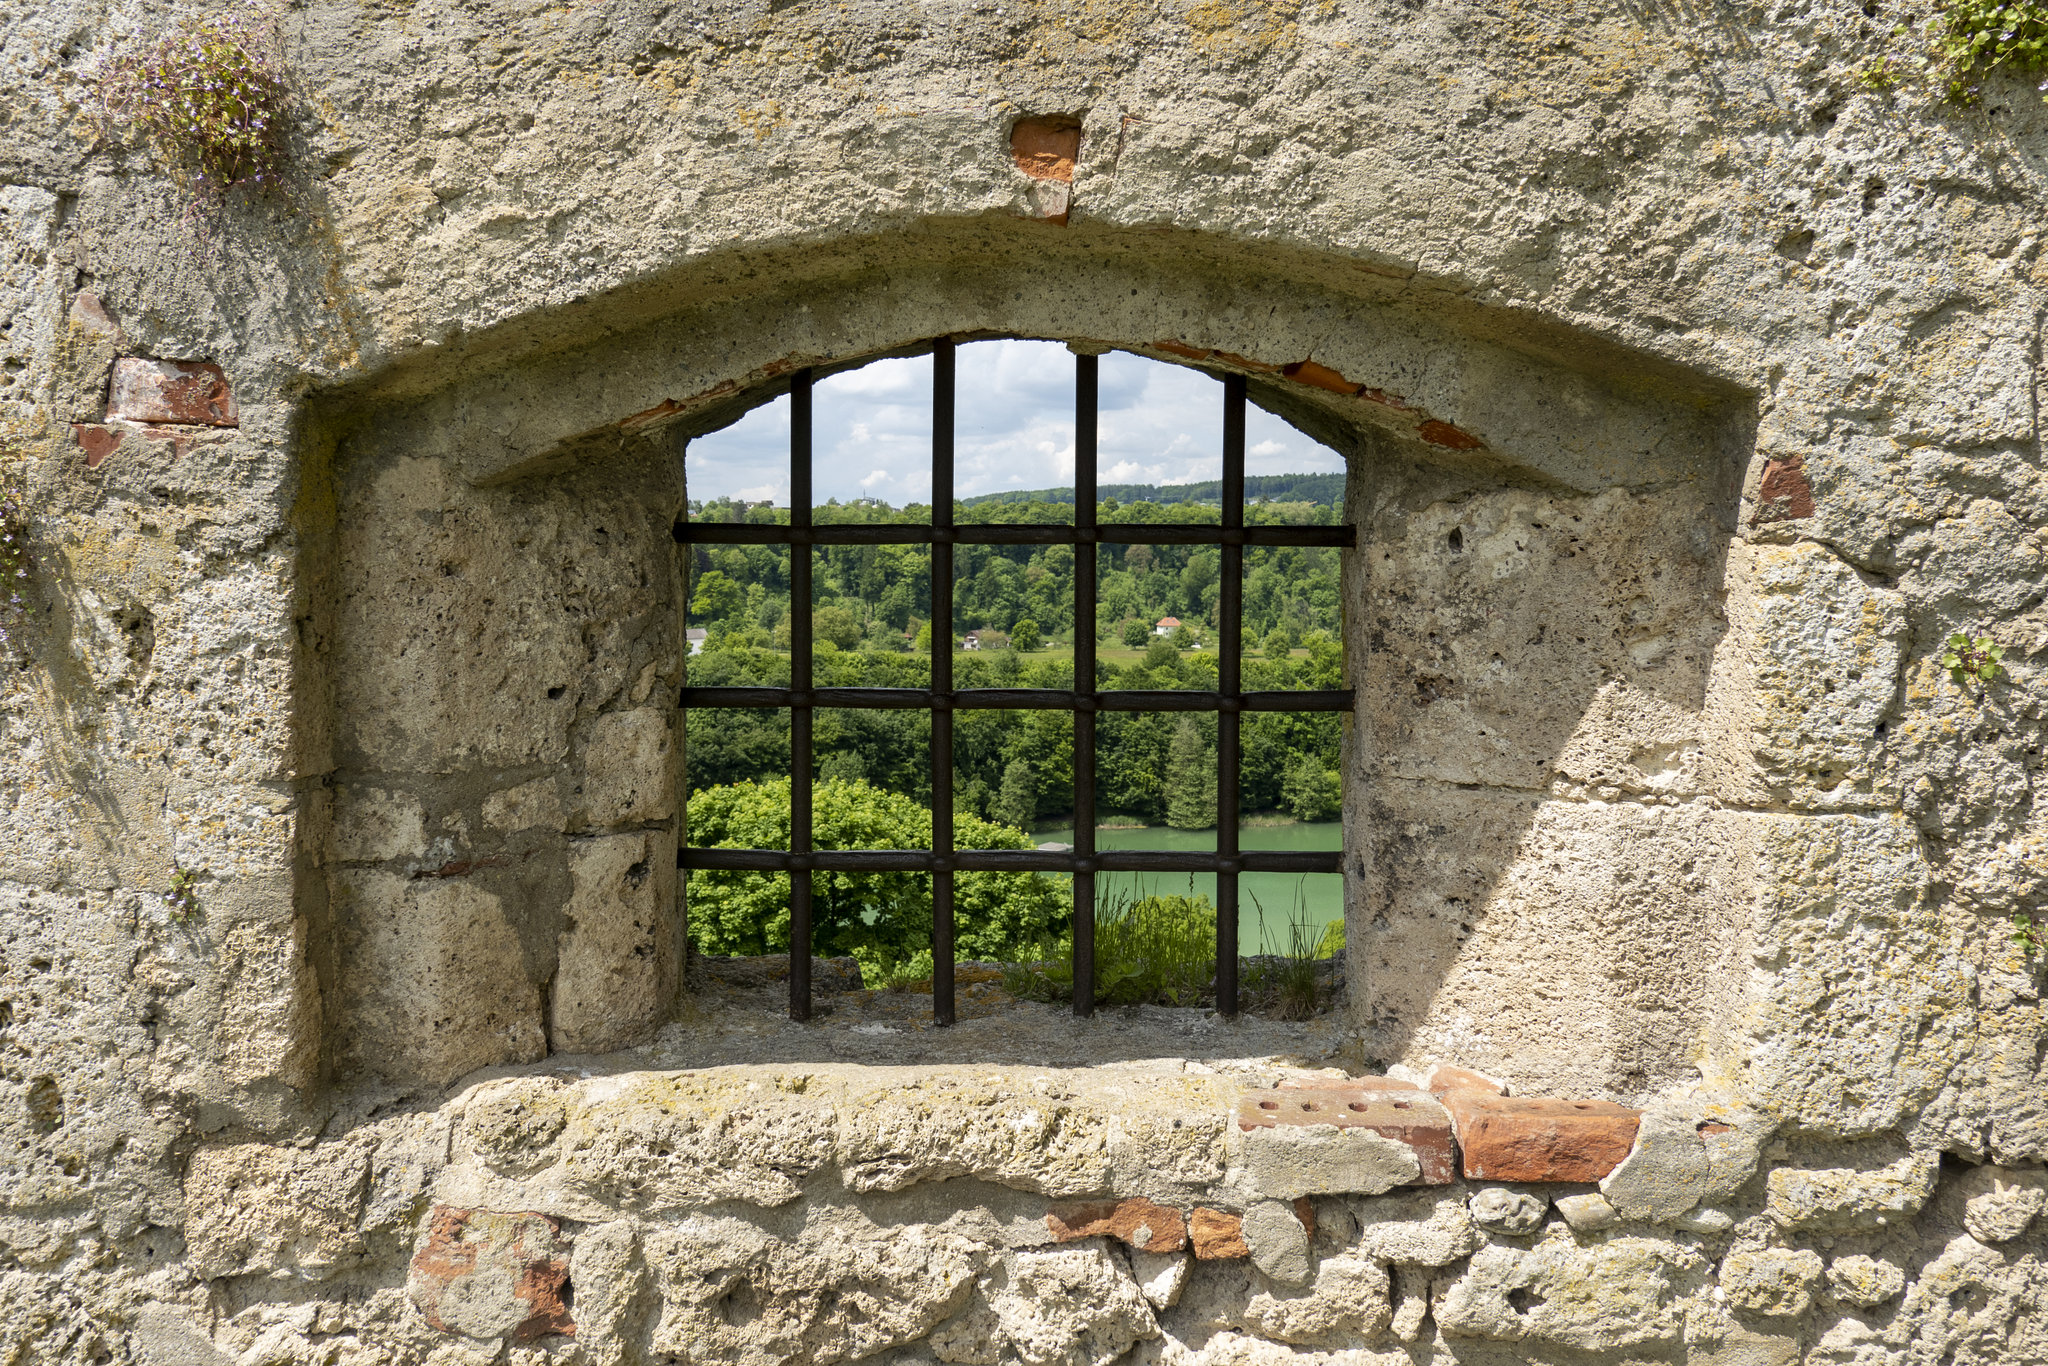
(1689, 389)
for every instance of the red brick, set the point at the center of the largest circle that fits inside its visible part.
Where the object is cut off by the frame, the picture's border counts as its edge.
(1444, 1078)
(1784, 495)
(1319, 376)
(1046, 146)
(191, 393)
(1144, 1225)
(1389, 1108)
(1523, 1138)
(1217, 1236)
(1305, 1210)
(468, 1257)
(97, 442)
(1444, 434)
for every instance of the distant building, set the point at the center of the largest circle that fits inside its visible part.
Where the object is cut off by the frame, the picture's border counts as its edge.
(971, 641)
(696, 636)
(1167, 626)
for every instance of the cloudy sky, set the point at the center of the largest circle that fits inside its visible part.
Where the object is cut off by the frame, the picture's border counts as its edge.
(1160, 424)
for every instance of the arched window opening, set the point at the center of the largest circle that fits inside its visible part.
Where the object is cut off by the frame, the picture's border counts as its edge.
(1071, 617)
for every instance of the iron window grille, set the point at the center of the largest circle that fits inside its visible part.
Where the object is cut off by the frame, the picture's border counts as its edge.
(942, 699)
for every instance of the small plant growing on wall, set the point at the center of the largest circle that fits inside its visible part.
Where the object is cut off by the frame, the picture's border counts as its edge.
(182, 899)
(1969, 658)
(2030, 934)
(14, 566)
(210, 98)
(1973, 38)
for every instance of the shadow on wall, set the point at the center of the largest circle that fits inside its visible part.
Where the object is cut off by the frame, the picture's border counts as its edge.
(1542, 888)
(1533, 615)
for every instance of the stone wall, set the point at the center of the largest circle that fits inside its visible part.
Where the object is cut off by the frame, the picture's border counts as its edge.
(1688, 387)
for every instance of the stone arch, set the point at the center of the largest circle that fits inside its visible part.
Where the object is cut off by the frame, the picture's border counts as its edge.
(1452, 418)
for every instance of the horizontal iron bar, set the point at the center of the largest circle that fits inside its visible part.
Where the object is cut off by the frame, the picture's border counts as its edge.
(1021, 699)
(1126, 533)
(1011, 861)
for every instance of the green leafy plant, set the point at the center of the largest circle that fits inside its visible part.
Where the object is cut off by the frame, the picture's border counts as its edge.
(1288, 986)
(1149, 950)
(1973, 38)
(14, 565)
(1967, 659)
(182, 898)
(1881, 74)
(210, 98)
(2031, 935)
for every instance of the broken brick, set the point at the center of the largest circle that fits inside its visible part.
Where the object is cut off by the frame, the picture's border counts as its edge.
(1320, 377)
(191, 393)
(1784, 495)
(97, 442)
(482, 1274)
(1046, 146)
(1137, 1221)
(1523, 1138)
(1444, 1077)
(1388, 1108)
(1438, 433)
(1217, 1236)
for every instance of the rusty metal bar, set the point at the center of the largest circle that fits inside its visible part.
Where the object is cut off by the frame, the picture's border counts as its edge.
(1087, 384)
(800, 713)
(943, 397)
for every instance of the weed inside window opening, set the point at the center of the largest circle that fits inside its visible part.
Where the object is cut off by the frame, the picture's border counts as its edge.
(211, 99)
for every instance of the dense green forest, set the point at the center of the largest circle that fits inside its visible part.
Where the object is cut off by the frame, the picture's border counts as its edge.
(1015, 767)
(878, 597)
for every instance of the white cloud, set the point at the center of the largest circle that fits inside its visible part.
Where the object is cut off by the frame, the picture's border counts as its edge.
(1157, 424)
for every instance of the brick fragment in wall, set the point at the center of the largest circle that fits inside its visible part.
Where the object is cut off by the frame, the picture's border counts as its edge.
(96, 441)
(1046, 146)
(1405, 1116)
(1137, 1221)
(1216, 1236)
(1524, 1138)
(1443, 1077)
(483, 1274)
(1784, 495)
(191, 393)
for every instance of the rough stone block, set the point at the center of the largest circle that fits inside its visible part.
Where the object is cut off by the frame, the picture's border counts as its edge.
(2000, 1202)
(629, 769)
(1160, 1276)
(252, 1208)
(616, 961)
(1587, 1213)
(375, 825)
(1865, 1282)
(191, 393)
(1216, 1236)
(1774, 1282)
(524, 807)
(1527, 1139)
(1616, 1291)
(1508, 1211)
(1416, 1227)
(484, 1274)
(1137, 1221)
(433, 979)
(1664, 1175)
(1349, 1300)
(1277, 1125)
(1848, 1199)
(1278, 1241)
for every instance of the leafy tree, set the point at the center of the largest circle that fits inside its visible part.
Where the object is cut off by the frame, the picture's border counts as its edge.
(1310, 791)
(717, 597)
(1182, 637)
(1162, 653)
(883, 919)
(1017, 802)
(1026, 636)
(1136, 633)
(1278, 646)
(837, 625)
(1190, 779)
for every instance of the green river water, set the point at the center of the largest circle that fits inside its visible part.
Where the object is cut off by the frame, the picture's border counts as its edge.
(1316, 898)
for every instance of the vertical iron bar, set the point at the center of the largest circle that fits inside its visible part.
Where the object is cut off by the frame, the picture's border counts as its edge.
(1086, 383)
(800, 704)
(1230, 629)
(942, 681)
